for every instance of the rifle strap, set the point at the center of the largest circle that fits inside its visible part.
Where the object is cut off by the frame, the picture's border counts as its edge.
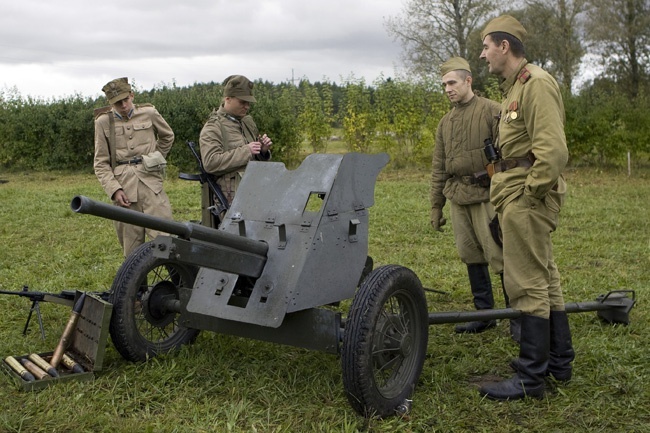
(111, 139)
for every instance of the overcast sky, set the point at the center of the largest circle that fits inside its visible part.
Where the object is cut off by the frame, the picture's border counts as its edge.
(53, 49)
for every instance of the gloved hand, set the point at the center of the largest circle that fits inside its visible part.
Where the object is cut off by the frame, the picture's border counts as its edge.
(437, 221)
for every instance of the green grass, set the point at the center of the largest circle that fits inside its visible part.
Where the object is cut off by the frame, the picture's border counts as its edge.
(230, 384)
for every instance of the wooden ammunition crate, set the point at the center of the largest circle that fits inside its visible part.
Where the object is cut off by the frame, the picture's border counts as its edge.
(87, 347)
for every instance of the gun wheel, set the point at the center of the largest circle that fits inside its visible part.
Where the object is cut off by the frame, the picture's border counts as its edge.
(385, 342)
(142, 325)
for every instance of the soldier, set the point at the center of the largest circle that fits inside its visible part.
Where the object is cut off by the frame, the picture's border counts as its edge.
(230, 139)
(459, 175)
(527, 192)
(125, 136)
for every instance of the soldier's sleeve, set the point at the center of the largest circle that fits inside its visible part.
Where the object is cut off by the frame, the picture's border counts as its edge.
(495, 113)
(545, 125)
(216, 159)
(102, 159)
(164, 132)
(439, 174)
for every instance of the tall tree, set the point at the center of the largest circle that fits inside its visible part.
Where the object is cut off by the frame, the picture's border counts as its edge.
(620, 31)
(554, 28)
(432, 31)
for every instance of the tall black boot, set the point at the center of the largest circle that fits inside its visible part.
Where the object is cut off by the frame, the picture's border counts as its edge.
(479, 281)
(561, 352)
(515, 324)
(534, 349)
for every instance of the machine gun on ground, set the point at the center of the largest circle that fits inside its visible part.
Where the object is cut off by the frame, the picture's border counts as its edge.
(66, 297)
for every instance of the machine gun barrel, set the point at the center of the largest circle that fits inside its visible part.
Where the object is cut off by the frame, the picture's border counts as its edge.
(82, 204)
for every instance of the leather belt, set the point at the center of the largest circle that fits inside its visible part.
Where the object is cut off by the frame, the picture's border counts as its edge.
(509, 164)
(134, 161)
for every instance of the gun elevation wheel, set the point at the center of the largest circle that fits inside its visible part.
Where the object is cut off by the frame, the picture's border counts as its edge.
(385, 342)
(142, 325)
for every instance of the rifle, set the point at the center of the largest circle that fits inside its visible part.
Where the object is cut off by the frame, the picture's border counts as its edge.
(204, 177)
(66, 297)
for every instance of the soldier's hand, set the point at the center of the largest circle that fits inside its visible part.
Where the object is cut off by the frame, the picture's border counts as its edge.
(437, 221)
(121, 199)
(255, 147)
(266, 143)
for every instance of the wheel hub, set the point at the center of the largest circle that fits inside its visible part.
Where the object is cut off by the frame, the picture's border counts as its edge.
(393, 339)
(154, 303)
(406, 346)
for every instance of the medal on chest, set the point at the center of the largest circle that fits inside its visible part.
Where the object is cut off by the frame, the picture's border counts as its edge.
(512, 111)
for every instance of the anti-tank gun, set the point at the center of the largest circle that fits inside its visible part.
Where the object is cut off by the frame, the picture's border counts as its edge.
(292, 244)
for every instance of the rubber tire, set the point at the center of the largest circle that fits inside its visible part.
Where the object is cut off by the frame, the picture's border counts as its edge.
(384, 289)
(133, 333)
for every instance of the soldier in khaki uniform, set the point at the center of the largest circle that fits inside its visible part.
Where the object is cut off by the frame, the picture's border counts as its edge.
(527, 192)
(230, 139)
(123, 135)
(458, 160)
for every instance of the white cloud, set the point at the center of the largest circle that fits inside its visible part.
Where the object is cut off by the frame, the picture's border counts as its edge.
(55, 49)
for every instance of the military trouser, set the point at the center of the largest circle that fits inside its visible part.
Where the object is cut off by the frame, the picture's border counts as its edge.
(474, 240)
(532, 279)
(150, 203)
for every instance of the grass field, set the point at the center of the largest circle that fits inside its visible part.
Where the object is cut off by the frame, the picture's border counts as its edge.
(228, 384)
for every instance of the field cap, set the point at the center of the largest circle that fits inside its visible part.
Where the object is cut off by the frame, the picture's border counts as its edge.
(239, 87)
(505, 24)
(117, 90)
(454, 64)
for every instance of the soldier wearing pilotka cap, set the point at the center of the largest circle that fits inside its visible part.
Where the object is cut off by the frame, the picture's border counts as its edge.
(125, 135)
(230, 138)
(458, 157)
(527, 192)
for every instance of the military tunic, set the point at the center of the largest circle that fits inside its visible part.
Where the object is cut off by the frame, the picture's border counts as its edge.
(224, 151)
(145, 131)
(458, 154)
(528, 199)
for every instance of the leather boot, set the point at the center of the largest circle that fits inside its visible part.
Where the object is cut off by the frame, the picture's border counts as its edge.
(561, 352)
(534, 349)
(479, 281)
(515, 324)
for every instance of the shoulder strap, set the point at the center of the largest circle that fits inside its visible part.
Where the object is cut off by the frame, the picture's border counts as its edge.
(247, 122)
(101, 110)
(111, 139)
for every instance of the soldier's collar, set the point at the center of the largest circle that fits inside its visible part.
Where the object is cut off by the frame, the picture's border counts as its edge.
(506, 85)
(128, 116)
(231, 117)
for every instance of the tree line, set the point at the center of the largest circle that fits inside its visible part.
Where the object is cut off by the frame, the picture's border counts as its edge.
(389, 115)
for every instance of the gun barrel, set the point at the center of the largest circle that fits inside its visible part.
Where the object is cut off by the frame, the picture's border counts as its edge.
(82, 204)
